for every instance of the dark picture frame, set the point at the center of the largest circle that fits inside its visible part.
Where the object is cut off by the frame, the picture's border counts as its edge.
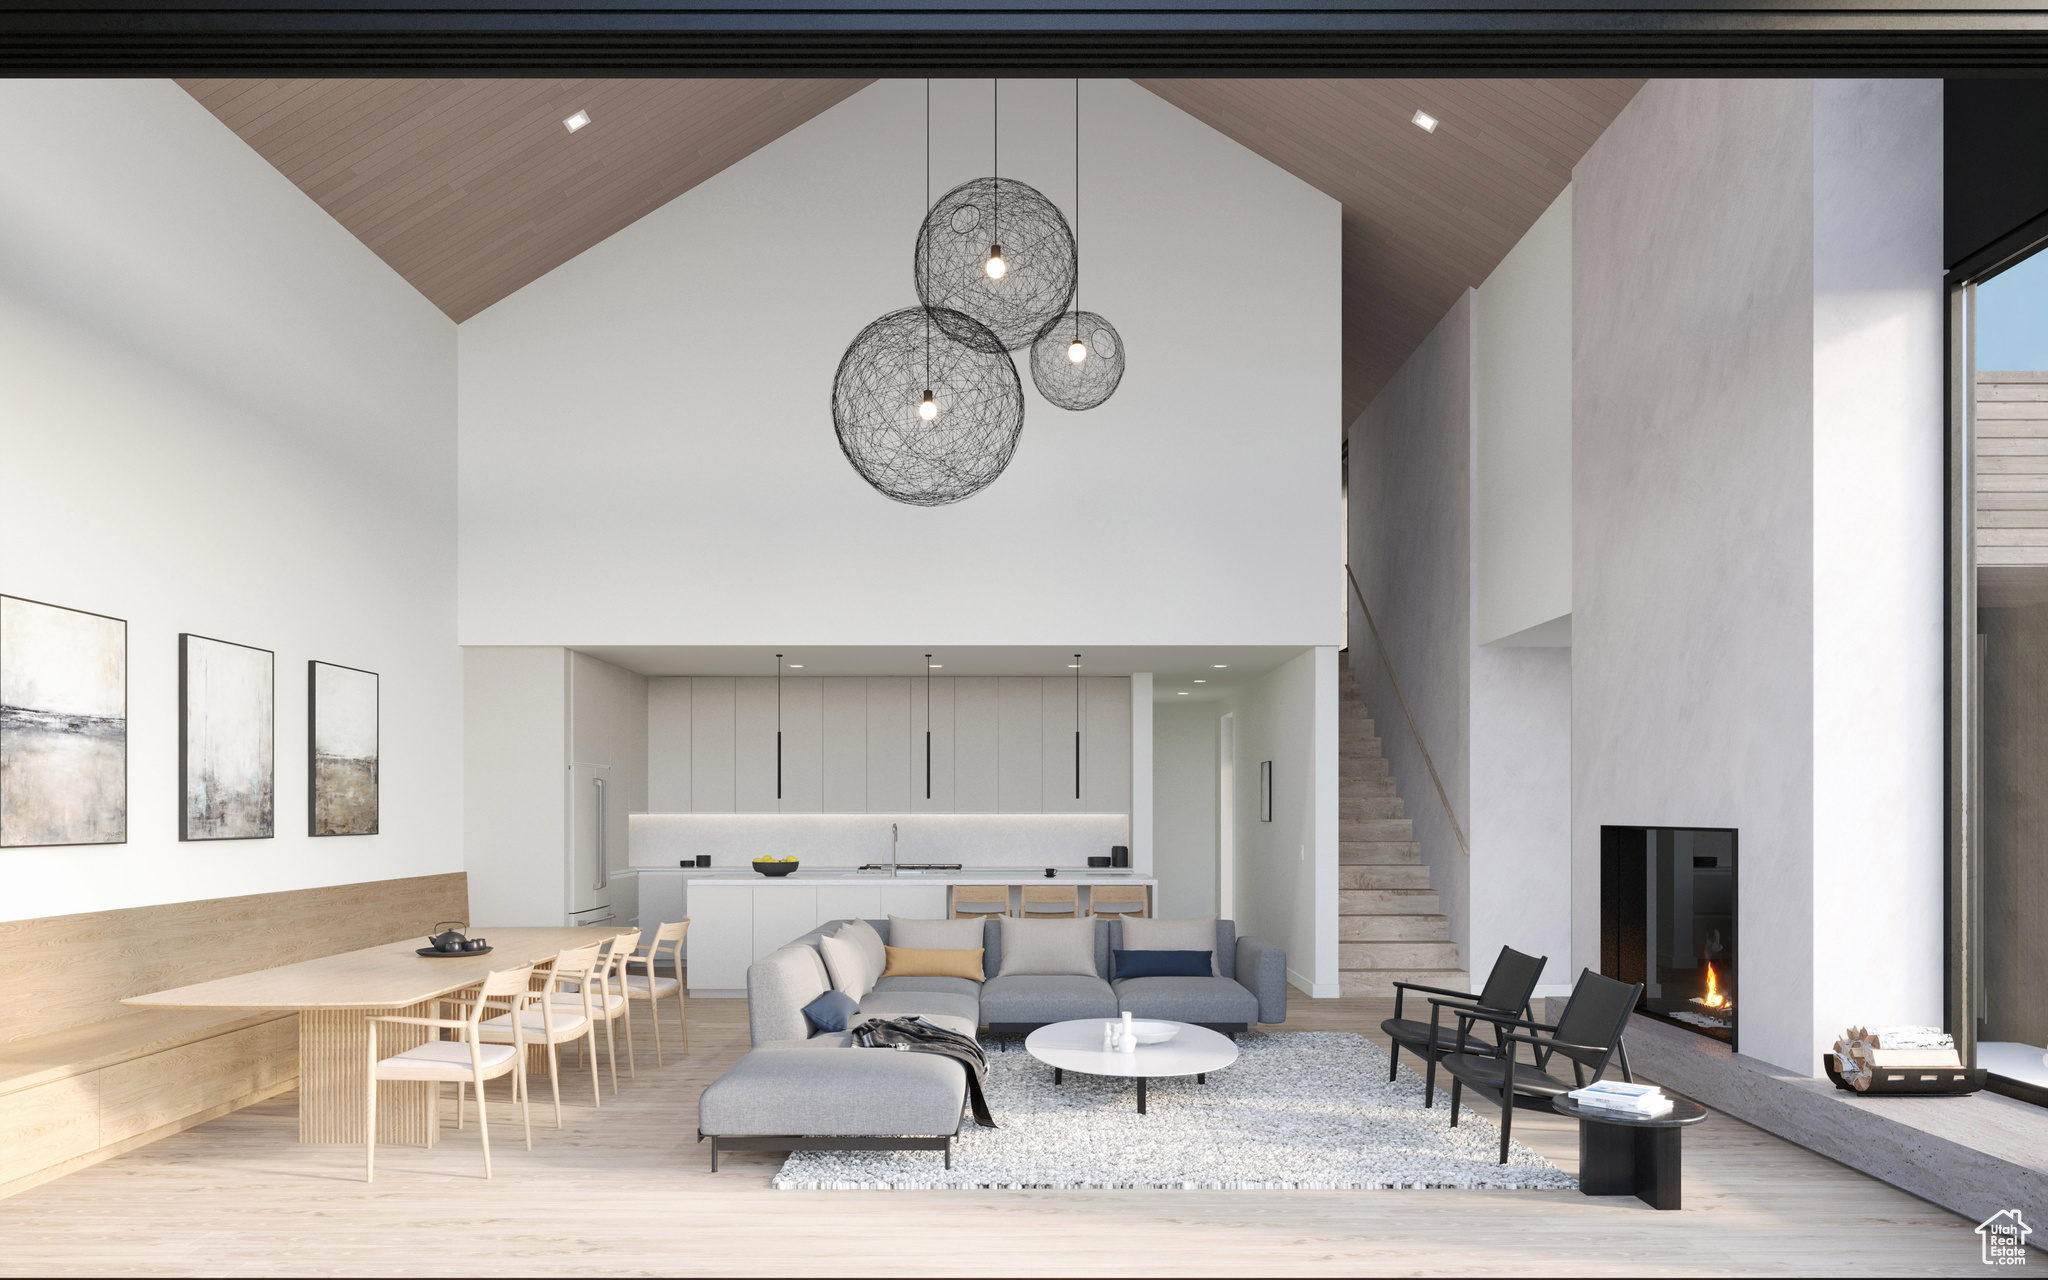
(235, 733)
(344, 794)
(1265, 791)
(42, 744)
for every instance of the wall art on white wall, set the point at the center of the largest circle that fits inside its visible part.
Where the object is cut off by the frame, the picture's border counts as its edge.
(63, 726)
(1265, 791)
(341, 732)
(226, 733)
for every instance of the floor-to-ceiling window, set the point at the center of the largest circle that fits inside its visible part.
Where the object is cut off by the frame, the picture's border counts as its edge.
(2003, 523)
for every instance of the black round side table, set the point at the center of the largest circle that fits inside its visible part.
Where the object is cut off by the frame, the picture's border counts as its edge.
(1622, 1155)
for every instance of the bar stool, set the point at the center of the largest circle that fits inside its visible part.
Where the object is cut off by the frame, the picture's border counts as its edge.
(1122, 900)
(1051, 902)
(979, 901)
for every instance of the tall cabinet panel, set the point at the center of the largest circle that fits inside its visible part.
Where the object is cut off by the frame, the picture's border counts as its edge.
(1106, 744)
(1061, 754)
(1020, 766)
(668, 744)
(931, 770)
(889, 744)
(976, 745)
(753, 738)
(711, 744)
(803, 777)
(843, 720)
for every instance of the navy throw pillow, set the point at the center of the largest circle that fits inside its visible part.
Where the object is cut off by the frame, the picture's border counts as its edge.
(1163, 964)
(832, 1011)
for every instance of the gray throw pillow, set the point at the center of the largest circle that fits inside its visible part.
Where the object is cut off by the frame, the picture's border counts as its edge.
(1049, 947)
(1172, 935)
(863, 935)
(833, 1011)
(847, 964)
(936, 935)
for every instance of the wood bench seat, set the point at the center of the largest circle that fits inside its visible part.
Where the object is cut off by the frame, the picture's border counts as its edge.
(83, 1077)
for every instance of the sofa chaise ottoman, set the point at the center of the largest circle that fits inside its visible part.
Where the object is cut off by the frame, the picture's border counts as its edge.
(805, 1095)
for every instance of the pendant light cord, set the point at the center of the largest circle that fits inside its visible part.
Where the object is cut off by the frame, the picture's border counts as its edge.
(927, 213)
(1077, 208)
(996, 98)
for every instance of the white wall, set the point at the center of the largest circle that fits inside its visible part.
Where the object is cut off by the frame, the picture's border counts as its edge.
(1522, 509)
(1287, 868)
(1521, 815)
(1411, 551)
(647, 449)
(224, 415)
(515, 795)
(1184, 781)
(1757, 489)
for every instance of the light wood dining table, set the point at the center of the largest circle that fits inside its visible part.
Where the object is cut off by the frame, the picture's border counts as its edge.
(334, 996)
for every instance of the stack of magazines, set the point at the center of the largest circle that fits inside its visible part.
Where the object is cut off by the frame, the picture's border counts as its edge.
(1634, 1101)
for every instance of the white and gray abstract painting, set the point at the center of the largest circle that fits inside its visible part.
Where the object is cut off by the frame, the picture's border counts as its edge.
(343, 719)
(226, 739)
(63, 726)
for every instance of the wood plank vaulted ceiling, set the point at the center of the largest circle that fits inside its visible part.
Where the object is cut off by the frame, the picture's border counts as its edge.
(471, 189)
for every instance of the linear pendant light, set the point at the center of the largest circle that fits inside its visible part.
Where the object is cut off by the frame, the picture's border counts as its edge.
(927, 726)
(1077, 726)
(778, 731)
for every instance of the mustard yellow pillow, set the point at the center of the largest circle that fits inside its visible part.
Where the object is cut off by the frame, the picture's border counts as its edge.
(919, 962)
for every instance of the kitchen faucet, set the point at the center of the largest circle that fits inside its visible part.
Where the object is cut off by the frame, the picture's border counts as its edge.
(892, 860)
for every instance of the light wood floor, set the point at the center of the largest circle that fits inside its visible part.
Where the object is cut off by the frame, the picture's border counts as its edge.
(624, 1191)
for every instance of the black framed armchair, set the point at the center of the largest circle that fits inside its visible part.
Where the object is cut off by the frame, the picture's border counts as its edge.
(1507, 991)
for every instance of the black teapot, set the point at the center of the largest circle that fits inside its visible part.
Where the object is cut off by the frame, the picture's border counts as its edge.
(451, 941)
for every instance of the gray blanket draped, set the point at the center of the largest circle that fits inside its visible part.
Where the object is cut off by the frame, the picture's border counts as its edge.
(915, 1035)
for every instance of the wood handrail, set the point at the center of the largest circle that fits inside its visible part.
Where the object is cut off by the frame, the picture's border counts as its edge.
(1413, 728)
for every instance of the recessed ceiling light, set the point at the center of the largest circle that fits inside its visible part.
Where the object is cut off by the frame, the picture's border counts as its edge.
(1183, 693)
(1073, 666)
(1424, 121)
(1201, 682)
(796, 666)
(1221, 665)
(581, 118)
(938, 666)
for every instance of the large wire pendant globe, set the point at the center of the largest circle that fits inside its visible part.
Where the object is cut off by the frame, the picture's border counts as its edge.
(882, 382)
(952, 259)
(1084, 383)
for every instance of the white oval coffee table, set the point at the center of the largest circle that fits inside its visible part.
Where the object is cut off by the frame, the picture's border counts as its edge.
(1077, 1046)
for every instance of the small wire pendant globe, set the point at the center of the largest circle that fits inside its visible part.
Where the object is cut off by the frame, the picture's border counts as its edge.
(1084, 383)
(1035, 280)
(910, 364)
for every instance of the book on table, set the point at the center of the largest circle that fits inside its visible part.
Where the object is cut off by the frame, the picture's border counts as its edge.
(1639, 1100)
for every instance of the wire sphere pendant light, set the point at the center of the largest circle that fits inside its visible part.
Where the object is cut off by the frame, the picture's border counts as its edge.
(925, 417)
(1078, 361)
(990, 225)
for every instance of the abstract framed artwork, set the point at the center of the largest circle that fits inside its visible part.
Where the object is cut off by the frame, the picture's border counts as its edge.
(63, 726)
(341, 742)
(226, 740)
(1265, 791)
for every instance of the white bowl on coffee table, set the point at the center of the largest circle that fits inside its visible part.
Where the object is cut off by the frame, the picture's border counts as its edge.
(1150, 1032)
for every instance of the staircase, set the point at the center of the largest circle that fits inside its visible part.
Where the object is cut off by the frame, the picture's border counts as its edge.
(1388, 926)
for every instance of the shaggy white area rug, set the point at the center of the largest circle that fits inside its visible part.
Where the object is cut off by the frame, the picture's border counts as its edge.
(1298, 1110)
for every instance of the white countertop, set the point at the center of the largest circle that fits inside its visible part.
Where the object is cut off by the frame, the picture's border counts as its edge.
(846, 875)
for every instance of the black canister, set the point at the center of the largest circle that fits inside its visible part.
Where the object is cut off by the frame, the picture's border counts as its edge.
(1119, 855)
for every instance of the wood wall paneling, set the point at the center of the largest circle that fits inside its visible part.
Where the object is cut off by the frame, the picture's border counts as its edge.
(977, 745)
(711, 744)
(1060, 781)
(754, 744)
(50, 1123)
(1020, 762)
(803, 746)
(888, 731)
(148, 1093)
(68, 971)
(844, 740)
(668, 745)
(1106, 747)
(940, 760)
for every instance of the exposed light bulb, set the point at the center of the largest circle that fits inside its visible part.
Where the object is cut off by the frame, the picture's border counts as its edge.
(1077, 351)
(928, 408)
(996, 266)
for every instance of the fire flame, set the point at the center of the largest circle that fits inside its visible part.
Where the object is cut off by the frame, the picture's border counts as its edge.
(1714, 999)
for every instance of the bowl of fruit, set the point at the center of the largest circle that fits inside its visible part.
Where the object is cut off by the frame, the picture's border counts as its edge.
(775, 866)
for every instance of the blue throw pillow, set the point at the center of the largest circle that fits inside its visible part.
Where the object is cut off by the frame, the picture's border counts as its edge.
(832, 1011)
(1164, 964)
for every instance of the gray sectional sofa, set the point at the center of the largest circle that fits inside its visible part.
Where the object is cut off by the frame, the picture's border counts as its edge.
(792, 1092)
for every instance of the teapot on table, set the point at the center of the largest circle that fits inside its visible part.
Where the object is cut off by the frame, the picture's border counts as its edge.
(451, 941)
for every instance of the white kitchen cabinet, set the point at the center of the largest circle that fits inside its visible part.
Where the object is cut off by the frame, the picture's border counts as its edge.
(849, 902)
(722, 935)
(1106, 748)
(1061, 773)
(914, 901)
(843, 716)
(782, 913)
(888, 728)
(977, 783)
(1020, 743)
(753, 749)
(711, 744)
(803, 745)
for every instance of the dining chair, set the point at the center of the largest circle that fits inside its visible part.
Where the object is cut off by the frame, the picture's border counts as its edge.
(1124, 900)
(980, 901)
(608, 1002)
(552, 1023)
(653, 988)
(467, 1059)
(1062, 901)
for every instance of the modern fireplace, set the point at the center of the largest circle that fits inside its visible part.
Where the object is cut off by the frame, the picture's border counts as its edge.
(1668, 921)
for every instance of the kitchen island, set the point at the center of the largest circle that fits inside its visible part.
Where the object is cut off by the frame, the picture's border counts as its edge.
(738, 915)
